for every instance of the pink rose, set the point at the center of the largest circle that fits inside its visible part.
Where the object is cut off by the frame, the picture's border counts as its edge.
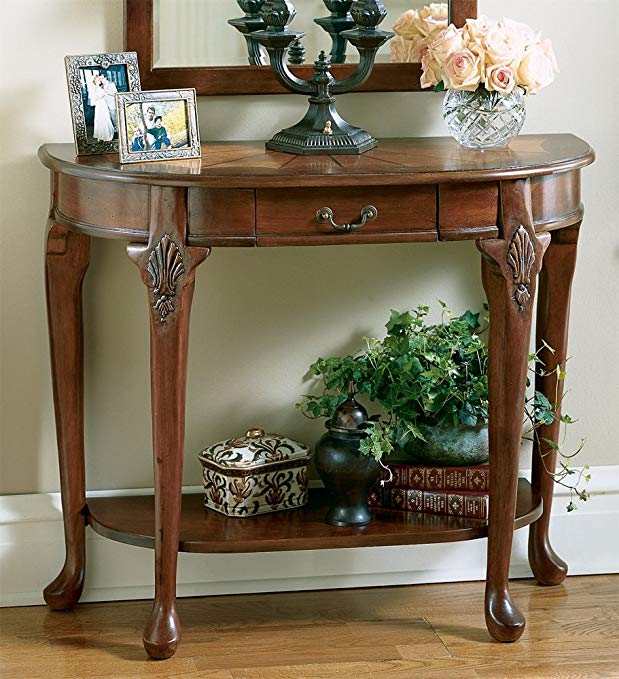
(461, 71)
(447, 42)
(500, 78)
(538, 67)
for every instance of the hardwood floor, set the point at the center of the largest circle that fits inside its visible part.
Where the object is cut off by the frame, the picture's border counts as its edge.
(425, 632)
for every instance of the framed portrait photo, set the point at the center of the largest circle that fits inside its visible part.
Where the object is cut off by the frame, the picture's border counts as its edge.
(158, 125)
(94, 80)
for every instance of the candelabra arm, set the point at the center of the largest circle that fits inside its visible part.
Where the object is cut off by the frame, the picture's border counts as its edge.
(363, 72)
(367, 40)
(285, 76)
(254, 53)
(246, 25)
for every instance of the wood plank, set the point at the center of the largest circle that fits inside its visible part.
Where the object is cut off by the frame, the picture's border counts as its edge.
(570, 670)
(305, 635)
(302, 645)
(131, 520)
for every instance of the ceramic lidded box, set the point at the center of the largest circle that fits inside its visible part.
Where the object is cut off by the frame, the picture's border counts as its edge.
(255, 474)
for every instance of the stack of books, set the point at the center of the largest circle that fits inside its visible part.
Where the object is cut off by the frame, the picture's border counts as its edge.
(450, 491)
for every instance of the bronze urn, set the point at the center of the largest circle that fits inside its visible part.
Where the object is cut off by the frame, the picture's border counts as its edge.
(347, 473)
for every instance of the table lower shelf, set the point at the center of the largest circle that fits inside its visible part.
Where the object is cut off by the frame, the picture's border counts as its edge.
(131, 520)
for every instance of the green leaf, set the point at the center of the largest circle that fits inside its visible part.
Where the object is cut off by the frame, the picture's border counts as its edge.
(471, 319)
(440, 87)
(435, 374)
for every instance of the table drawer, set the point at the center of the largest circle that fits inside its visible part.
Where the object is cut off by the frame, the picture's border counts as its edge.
(221, 217)
(294, 213)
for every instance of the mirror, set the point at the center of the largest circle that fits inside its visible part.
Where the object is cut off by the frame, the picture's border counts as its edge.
(192, 33)
(189, 43)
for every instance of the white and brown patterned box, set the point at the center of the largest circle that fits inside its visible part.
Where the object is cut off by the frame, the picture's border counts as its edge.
(255, 474)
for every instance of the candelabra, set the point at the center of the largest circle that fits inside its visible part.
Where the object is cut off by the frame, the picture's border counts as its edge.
(335, 24)
(340, 20)
(252, 21)
(322, 130)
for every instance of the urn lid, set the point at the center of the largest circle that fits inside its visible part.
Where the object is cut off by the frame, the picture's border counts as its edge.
(254, 450)
(350, 416)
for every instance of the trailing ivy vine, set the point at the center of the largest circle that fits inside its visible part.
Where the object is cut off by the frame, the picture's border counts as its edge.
(431, 375)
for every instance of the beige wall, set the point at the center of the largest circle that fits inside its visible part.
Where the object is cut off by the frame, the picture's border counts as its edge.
(260, 317)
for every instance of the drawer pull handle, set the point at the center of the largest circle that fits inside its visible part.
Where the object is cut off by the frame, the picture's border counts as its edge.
(368, 214)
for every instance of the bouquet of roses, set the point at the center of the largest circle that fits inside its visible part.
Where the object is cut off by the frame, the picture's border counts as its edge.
(496, 55)
(416, 29)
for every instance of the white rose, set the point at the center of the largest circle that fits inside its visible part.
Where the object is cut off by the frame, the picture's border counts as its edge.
(414, 24)
(538, 67)
(433, 18)
(520, 34)
(407, 25)
(402, 50)
(476, 29)
(501, 47)
(436, 11)
(431, 72)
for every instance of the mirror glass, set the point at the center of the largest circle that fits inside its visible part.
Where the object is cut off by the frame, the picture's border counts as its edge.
(197, 33)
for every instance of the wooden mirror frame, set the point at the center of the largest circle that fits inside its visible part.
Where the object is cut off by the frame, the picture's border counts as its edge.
(212, 80)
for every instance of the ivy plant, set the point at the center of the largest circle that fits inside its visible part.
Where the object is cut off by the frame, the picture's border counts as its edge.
(427, 375)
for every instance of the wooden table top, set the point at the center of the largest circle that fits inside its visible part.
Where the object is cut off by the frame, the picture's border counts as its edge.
(420, 160)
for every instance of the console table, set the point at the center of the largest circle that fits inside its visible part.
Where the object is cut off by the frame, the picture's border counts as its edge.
(520, 204)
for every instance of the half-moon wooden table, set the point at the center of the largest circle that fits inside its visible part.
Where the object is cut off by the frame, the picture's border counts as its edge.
(520, 204)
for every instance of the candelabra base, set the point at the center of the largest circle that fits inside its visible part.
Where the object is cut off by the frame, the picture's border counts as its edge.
(322, 132)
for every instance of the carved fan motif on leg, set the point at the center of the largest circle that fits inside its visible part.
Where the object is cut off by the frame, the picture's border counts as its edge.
(520, 258)
(165, 266)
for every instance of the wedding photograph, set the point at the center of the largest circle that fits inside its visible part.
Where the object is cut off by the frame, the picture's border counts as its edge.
(157, 125)
(94, 81)
(99, 88)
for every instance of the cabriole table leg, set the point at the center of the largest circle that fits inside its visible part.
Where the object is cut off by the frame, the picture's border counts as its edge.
(167, 267)
(553, 309)
(66, 260)
(509, 271)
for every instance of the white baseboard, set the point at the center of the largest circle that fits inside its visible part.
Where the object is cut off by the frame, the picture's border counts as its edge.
(32, 552)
